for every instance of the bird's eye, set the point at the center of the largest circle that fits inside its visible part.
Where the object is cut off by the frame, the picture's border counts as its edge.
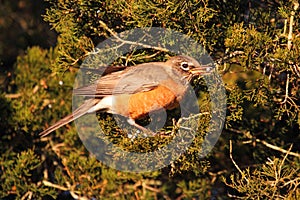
(185, 66)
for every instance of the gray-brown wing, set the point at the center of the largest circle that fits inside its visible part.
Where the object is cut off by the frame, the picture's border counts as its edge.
(103, 70)
(143, 77)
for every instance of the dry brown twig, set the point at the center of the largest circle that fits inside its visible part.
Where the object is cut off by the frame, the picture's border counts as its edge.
(122, 41)
(234, 163)
(290, 35)
(271, 146)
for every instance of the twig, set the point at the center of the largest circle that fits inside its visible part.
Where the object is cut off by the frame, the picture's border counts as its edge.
(271, 146)
(278, 173)
(295, 67)
(187, 118)
(271, 72)
(216, 175)
(49, 184)
(228, 56)
(282, 162)
(194, 116)
(140, 57)
(152, 189)
(290, 36)
(13, 96)
(285, 25)
(73, 194)
(27, 195)
(286, 88)
(130, 42)
(292, 181)
(234, 163)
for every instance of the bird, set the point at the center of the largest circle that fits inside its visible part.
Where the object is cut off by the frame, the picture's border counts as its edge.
(133, 92)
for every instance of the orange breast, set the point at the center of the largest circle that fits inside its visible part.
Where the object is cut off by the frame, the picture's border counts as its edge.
(167, 95)
(140, 104)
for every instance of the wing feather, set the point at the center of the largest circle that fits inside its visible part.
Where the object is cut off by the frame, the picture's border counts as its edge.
(140, 78)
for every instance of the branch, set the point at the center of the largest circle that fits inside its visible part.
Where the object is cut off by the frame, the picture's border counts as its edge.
(286, 88)
(75, 196)
(236, 166)
(130, 42)
(290, 36)
(187, 118)
(27, 195)
(49, 184)
(271, 146)
(229, 56)
(281, 164)
(295, 67)
(13, 96)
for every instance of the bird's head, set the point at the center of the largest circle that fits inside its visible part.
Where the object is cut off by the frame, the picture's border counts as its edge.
(188, 66)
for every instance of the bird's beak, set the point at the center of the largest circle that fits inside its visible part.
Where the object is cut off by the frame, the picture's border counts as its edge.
(202, 70)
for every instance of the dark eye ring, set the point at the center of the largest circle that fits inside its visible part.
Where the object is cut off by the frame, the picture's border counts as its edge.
(185, 66)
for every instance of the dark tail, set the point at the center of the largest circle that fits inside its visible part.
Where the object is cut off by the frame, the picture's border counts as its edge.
(80, 111)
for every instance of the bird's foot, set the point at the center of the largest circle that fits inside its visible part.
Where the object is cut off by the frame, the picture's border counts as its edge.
(144, 132)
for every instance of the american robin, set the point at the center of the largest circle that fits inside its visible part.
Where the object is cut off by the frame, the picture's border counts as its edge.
(136, 91)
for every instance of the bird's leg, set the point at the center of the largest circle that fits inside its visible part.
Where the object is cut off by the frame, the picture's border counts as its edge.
(146, 132)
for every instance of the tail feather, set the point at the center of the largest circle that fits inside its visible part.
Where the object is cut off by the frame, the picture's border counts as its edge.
(80, 111)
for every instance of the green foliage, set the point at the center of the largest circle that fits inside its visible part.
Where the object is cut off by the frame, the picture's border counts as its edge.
(198, 188)
(267, 86)
(79, 23)
(34, 91)
(265, 53)
(34, 80)
(276, 179)
(18, 178)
